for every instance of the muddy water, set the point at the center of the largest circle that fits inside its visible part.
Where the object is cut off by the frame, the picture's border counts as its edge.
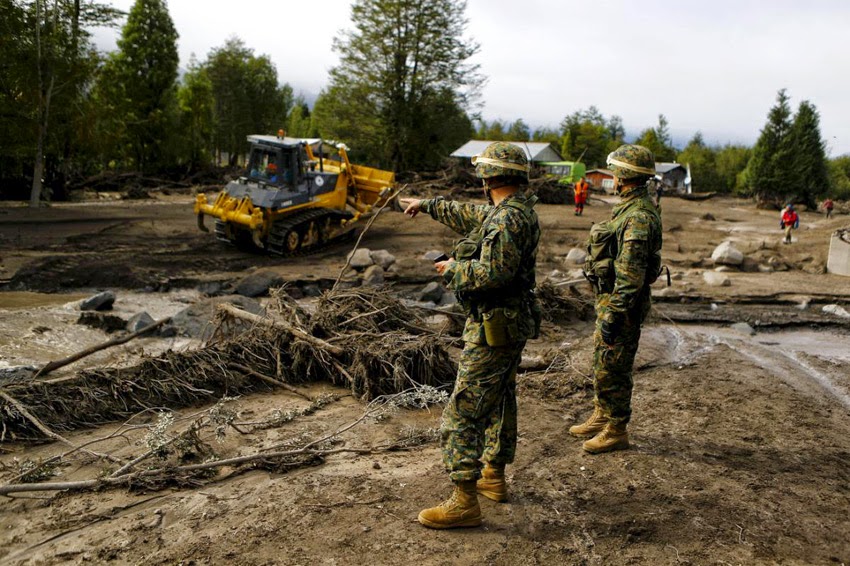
(25, 299)
(813, 362)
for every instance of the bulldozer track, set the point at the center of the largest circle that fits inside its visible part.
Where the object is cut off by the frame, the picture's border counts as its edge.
(298, 223)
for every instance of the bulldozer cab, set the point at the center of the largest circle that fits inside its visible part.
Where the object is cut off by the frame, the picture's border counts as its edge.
(278, 164)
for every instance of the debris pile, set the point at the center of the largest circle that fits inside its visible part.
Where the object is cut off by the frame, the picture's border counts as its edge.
(363, 339)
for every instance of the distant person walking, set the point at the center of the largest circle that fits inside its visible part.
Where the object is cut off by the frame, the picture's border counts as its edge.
(828, 205)
(790, 221)
(580, 195)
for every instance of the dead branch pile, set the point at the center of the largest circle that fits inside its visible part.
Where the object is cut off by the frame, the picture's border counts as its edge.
(361, 339)
(564, 304)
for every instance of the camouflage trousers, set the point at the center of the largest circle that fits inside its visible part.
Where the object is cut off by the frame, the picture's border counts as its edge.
(612, 370)
(479, 422)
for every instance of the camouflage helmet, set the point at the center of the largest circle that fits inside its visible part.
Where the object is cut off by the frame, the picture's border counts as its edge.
(629, 161)
(501, 159)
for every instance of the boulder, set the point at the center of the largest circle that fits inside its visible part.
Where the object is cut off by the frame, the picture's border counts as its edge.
(750, 265)
(139, 321)
(724, 269)
(448, 299)
(258, 284)
(383, 258)
(743, 328)
(196, 321)
(373, 276)
(100, 302)
(715, 279)
(836, 310)
(727, 254)
(432, 292)
(106, 322)
(360, 259)
(575, 256)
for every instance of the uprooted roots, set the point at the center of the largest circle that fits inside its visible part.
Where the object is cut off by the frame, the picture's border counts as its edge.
(375, 346)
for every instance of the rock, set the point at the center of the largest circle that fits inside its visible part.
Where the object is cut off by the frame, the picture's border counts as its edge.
(724, 269)
(139, 321)
(383, 258)
(100, 302)
(727, 254)
(716, 279)
(666, 292)
(575, 274)
(361, 259)
(106, 322)
(575, 256)
(743, 328)
(750, 265)
(439, 321)
(196, 321)
(373, 276)
(836, 310)
(533, 363)
(431, 255)
(765, 269)
(448, 299)
(311, 290)
(677, 276)
(294, 291)
(708, 216)
(777, 264)
(432, 292)
(258, 283)
(211, 288)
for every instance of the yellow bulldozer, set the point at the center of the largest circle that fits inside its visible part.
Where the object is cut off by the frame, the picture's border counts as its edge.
(292, 200)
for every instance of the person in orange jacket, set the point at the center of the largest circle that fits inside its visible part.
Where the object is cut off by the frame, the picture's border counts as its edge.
(790, 220)
(580, 195)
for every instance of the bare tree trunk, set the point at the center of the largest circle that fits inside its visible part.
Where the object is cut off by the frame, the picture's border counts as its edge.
(43, 114)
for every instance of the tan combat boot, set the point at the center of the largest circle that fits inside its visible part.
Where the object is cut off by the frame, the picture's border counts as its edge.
(460, 510)
(592, 426)
(492, 483)
(613, 437)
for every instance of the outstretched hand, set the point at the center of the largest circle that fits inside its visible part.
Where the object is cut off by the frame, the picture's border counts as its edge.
(442, 265)
(411, 206)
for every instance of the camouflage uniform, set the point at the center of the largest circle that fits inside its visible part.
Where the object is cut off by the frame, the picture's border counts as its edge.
(493, 273)
(623, 301)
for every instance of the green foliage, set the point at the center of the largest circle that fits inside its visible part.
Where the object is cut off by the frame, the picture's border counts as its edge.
(141, 94)
(195, 97)
(247, 97)
(658, 141)
(300, 123)
(810, 163)
(500, 131)
(714, 169)
(770, 172)
(788, 162)
(399, 93)
(588, 137)
(839, 177)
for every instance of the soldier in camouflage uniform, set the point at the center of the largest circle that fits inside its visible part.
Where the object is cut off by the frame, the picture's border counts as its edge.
(492, 274)
(624, 258)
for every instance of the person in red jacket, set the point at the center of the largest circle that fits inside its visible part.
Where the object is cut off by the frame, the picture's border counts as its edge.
(828, 205)
(580, 192)
(790, 220)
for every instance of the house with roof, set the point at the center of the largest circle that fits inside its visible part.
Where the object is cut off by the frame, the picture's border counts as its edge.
(537, 152)
(674, 177)
(601, 179)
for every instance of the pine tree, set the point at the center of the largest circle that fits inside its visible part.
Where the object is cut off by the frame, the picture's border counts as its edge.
(810, 164)
(400, 91)
(145, 68)
(770, 174)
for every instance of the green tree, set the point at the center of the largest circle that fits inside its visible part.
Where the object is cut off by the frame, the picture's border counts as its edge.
(519, 131)
(587, 135)
(810, 164)
(658, 141)
(730, 162)
(145, 71)
(195, 98)
(403, 61)
(247, 97)
(770, 174)
(703, 162)
(548, 135)
(839, 177)
(300, 124)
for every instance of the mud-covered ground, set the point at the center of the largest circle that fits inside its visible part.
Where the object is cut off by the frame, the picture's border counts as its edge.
(740, 441)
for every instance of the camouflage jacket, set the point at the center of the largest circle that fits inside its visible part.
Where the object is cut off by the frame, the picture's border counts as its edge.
(495, 261)
(636, 224)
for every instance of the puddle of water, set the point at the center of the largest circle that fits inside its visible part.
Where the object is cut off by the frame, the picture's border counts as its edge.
(13, 300)
(783, 354)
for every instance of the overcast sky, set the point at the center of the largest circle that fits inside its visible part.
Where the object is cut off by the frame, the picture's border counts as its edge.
(713, 66)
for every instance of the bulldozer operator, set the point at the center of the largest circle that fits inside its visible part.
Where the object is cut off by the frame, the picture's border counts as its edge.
(491, 270)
